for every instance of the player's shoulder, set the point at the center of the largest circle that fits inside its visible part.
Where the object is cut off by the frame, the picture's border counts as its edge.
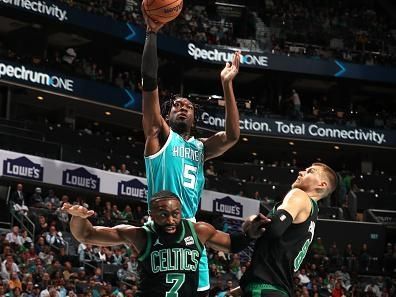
(203, 227)
(296, 196)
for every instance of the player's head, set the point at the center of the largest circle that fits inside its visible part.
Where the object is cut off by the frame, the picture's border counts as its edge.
(180, 113)
(318, 178)
(165, 210)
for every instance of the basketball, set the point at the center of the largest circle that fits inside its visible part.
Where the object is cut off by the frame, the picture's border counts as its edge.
(163, 11)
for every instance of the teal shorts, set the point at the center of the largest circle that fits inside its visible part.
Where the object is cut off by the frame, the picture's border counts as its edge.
(203, 282)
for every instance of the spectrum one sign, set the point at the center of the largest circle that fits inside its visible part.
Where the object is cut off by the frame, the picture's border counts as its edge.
(40, 78)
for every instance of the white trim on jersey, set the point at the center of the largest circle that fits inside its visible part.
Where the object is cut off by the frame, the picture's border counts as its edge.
(203, 288)
(163, 148)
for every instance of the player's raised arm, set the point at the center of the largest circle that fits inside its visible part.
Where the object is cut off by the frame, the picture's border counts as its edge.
(222, 241)
(154, 125)
(85, 232)
(223, 141)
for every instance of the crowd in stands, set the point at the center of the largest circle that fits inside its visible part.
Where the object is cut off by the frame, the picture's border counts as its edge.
(291, 104)
(51, 263)
(351, 31)
(354, 31)
(265, 180)
(70, 62)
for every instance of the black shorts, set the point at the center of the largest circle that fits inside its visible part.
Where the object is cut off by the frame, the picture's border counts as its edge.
(263, 290)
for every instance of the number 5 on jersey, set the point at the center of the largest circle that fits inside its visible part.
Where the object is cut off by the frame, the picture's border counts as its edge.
(189, 178)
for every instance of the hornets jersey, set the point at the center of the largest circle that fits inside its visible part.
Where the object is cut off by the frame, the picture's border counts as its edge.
(178, 167)
(170, 268)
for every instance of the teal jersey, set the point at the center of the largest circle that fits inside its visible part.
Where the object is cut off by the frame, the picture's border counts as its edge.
(178, 167)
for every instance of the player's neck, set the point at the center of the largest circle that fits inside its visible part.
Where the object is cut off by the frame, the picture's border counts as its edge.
(184, 134)
(313, 195)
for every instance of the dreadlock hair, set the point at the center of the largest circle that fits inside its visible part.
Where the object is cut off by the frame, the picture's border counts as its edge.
(168, 103)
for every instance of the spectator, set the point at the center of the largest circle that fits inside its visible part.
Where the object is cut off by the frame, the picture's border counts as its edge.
(211, 171)
(42, 225)
(138, 214)
(40, 244)
(36, 199)
(8, 266)
(116, 213)
(227, 289)
(123, 169)
(127, 213)
(14, 238)
(14, 281)
(18, 200)
(27, 242)
(350, 258)
(364, 259)
(51, 198)
(68, 60)
(318, 250)
(303, 277)
(54, 238)
(372, 289)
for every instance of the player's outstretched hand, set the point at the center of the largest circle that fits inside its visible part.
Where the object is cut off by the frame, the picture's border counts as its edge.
(255, 225)
(231, 69)
(152, 25)
(77, 210)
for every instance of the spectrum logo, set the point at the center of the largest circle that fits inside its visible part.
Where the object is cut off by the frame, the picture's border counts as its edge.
(22, 73)
(216, 55)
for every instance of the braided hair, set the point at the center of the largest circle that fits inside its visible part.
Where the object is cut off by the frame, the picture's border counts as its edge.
(167, 106)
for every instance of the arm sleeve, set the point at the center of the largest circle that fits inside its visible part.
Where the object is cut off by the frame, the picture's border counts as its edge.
(149, 67)
(280, 221)
(239, 242)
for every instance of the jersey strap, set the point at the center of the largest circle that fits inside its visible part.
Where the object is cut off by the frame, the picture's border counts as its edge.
(144, 253)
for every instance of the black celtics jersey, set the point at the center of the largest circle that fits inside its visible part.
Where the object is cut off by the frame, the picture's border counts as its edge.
(170, 269)
(275, 259)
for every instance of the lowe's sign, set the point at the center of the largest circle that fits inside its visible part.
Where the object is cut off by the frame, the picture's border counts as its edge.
(22, 167)
(230, 206)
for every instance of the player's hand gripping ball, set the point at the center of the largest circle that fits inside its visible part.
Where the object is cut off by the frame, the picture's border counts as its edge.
(162, 11)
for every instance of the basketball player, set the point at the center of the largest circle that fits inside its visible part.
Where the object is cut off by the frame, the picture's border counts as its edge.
(281, 249)
(174, 158)
(169, 247)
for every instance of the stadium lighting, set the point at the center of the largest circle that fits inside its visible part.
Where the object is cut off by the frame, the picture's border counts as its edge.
(336, 147)
(41, 98)
(108, 113)
(291, 143)
(245, 139)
